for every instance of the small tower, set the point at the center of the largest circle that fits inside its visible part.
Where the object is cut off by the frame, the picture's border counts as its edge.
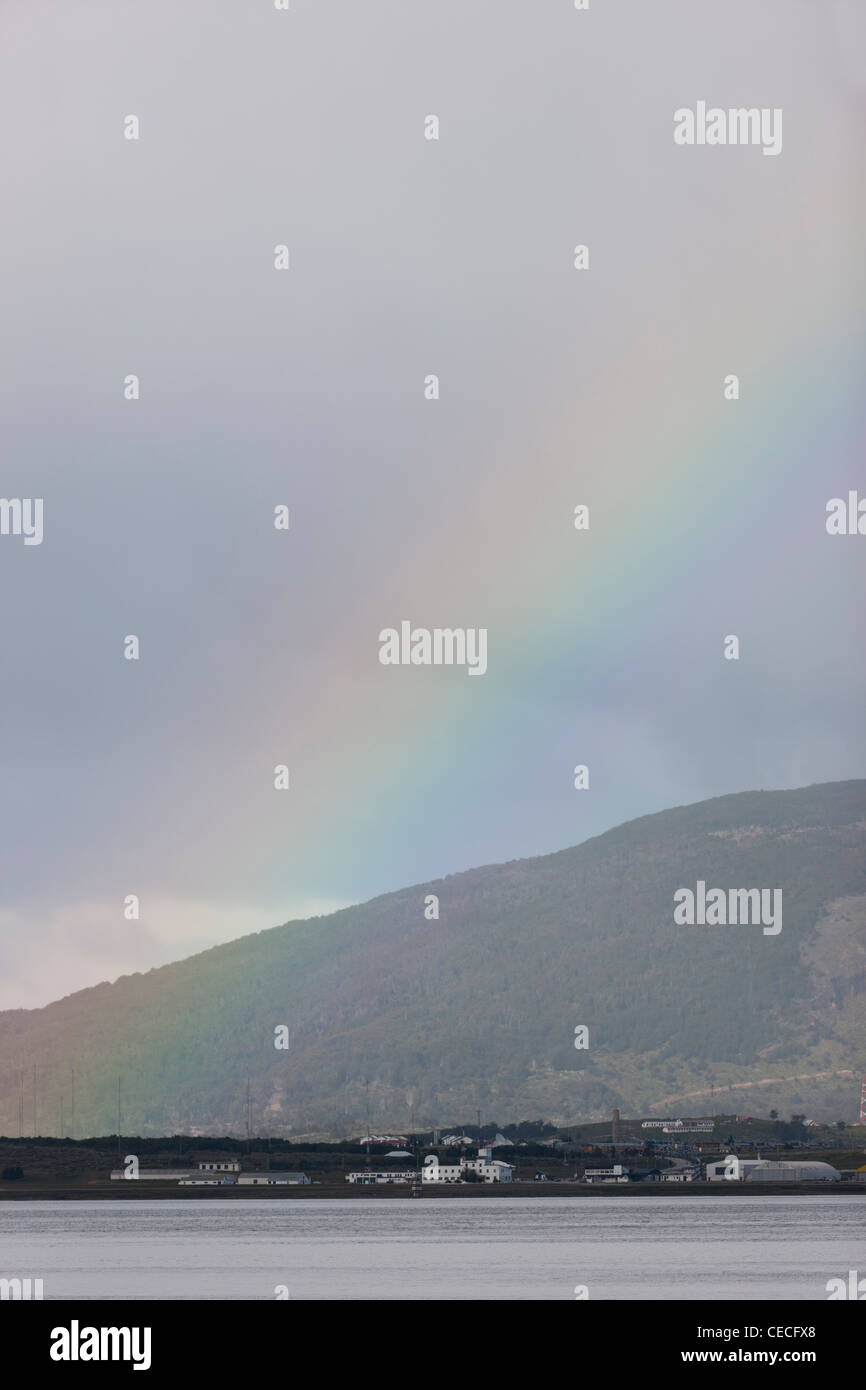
(614, 1127)
(862, 1120)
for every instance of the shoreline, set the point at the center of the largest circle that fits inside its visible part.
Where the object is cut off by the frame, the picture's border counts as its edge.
(160, 1192)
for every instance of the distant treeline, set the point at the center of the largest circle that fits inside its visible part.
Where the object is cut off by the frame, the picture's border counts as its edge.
(525, 1131)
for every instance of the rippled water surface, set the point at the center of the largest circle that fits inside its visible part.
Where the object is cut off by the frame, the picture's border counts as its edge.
(483, 1248)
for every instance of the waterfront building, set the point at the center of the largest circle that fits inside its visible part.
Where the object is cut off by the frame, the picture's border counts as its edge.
(735, 1169)
(273, 1178)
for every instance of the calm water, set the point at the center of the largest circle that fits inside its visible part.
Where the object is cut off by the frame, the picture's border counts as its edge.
(529, 1248)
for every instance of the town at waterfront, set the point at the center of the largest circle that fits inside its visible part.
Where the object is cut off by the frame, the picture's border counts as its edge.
(719, 1154)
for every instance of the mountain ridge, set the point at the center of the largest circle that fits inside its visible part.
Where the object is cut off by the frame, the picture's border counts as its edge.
(410, 1016)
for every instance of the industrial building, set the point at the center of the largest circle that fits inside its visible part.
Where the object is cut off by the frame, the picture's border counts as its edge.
(153, 1174)
(272, 1178)
(619, 1173)
(227, 1180)
(214, 1173)
(734, 1169)
(369, 1177)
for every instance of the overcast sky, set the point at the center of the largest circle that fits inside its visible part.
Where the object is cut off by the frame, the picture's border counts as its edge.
(558, 387)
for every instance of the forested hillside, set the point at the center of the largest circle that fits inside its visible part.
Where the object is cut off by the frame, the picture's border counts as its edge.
(390, 1011)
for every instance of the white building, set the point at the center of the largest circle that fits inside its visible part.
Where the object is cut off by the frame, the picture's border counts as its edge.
(153, 1174)
(220, 1166)
(272, 1178)
(689, 1127)
(225, 1181)
(434, 1171)
(615, 1174)
(735, 1169)
(489, 1170)
(371, 1177)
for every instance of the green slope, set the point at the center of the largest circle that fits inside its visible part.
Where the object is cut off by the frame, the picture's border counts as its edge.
(391, 1011)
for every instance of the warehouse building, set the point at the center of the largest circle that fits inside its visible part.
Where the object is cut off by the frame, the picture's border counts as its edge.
(734, 1169)
(369, 1177)
(272, 1178)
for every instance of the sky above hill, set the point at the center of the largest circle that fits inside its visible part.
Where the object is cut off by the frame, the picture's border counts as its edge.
(305, 387)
